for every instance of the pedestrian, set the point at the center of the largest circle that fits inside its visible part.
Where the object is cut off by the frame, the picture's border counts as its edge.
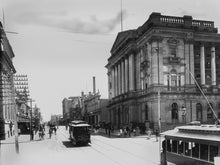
(163, 154)
(157, 134)
(109, 130)
(50, 132)
(149, 133)
(40, 132)
(32, 134)
(120, 132)
(10, 127)
(106, 129)
(55, 130)
(128, 131)
(134, 131)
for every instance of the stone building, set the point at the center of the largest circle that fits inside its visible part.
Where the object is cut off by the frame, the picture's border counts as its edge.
(7, 93)
(72, 109)
(152, 70)
(95, 108)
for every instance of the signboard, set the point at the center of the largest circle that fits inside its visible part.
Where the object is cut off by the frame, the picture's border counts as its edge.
(2, 129)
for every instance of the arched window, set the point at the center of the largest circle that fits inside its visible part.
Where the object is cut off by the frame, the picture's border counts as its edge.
(174, 111)
(198, 112)
(218, 110)
(209, 113)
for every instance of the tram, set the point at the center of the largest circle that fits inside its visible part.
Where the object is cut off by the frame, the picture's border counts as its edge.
(79, 132)
(192, 144)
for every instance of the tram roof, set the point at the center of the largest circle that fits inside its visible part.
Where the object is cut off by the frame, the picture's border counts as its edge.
(202, 132)
(80, 125)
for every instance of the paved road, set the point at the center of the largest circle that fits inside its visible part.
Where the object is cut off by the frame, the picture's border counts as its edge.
(103, 150)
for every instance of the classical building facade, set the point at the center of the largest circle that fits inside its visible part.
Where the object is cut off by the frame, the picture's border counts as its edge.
(7, 92)
(152, 72)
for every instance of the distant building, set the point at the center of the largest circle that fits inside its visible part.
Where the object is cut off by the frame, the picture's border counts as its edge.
(72, 109)
(159, 61)
(7, 93)
(56, 119)
(95, 108)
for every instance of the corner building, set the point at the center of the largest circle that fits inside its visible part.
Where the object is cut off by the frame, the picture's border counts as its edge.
(161, 58)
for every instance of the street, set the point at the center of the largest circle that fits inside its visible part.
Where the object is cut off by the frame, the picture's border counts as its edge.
(59, 150)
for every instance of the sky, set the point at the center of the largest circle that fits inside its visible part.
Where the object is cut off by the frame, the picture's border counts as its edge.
(62, 44)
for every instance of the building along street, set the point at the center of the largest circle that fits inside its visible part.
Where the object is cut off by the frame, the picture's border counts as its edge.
(59, 150)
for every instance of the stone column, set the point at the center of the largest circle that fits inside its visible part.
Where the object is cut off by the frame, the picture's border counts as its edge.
(119, 78)
(192, 62)
(122, 76)
(113, 81)
(116, 81)
(213, 66)
(126, 75)
(154, 62)
(202, 64)
(131, 72)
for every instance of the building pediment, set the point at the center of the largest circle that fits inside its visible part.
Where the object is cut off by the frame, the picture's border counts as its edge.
(121, 39)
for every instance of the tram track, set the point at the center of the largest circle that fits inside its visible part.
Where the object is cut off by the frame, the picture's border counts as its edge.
(125, 151)
(97, 151)
(106, 147)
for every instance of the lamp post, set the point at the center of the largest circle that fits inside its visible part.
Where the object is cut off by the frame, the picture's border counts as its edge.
(159, 126)
(31, 132)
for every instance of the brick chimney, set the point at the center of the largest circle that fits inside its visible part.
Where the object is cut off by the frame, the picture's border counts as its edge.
(94, 90)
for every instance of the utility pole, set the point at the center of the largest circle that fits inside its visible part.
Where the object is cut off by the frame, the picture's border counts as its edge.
(31, 136)
(16, 130)
(15, 116)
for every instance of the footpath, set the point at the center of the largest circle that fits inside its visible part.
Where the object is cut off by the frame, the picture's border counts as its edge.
(116, 134)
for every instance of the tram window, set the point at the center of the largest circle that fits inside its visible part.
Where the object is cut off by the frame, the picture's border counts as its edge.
(169, 145)
(174, 146)
(195, 150)
(213, 152)
(180, 147)
(204, 151)
(188, 148)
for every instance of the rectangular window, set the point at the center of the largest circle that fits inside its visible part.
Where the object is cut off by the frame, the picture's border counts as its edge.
(169, 145)
(195, 150)
(188, 148)
(180, 147)
(204, 151)
(174, 146)
(213, 152)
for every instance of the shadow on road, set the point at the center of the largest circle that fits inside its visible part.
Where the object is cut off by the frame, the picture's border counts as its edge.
(68, 144)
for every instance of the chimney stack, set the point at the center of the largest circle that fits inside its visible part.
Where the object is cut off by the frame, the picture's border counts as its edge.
(94, 85)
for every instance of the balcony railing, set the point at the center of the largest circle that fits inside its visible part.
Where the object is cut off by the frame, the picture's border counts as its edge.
(174, 60)
(163, 89)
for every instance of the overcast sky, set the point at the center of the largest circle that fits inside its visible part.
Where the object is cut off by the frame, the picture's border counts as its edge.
(62, 44)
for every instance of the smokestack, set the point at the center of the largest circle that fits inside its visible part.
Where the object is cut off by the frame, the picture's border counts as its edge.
(93, 84)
